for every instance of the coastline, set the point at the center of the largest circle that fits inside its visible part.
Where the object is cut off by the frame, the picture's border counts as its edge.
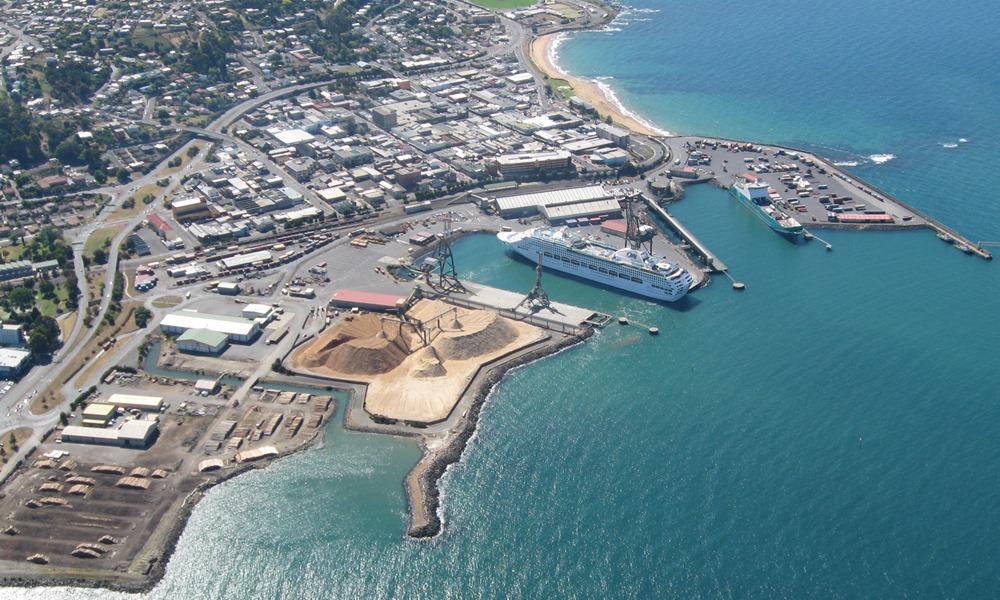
(158, 550)
(423, 487)
(541, 54)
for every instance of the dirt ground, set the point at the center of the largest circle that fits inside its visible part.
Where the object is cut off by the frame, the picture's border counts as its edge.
(414, 373)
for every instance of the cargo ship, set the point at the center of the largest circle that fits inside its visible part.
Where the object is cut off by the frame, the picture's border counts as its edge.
(756, 196)
(627, 269)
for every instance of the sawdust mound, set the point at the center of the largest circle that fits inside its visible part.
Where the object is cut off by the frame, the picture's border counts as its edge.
(427, 363)
(482, 332)
(363, 346)
(366, 357)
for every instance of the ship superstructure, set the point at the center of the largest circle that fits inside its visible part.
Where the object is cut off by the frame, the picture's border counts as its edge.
(757, 197)
(629, 269)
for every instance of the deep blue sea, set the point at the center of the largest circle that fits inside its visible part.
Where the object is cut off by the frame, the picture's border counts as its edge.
(831, 432)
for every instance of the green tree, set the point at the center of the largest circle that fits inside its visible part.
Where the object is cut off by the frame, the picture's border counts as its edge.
(141, 316)
(21, 298)
(47, 289)
(39, 341)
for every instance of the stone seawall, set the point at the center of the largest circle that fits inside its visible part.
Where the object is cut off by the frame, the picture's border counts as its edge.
(422, 483)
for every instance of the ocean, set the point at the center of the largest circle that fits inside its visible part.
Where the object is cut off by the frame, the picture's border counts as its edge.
(829, 432)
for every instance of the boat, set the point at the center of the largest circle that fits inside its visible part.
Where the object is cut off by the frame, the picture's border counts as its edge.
(628, 269)
(944, 237)
(757, 197)
(965, 248)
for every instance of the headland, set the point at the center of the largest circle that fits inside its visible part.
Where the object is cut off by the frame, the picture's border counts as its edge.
(296, 256)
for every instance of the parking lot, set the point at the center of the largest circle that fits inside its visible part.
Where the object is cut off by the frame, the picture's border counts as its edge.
(811, 190)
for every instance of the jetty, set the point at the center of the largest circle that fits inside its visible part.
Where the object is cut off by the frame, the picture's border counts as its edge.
(711, 260)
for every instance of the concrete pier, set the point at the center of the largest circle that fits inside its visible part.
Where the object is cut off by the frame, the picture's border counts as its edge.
(561, 317)
(713, 261)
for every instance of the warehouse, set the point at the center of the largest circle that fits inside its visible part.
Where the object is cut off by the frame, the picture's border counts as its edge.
(522, 205)
(257, 311)
(98, 414)
(245, 260)
(237, 329)
(130, 401)
(202, 341)
(559, 214)
(136, 433)
(13, 362)
(229, 288)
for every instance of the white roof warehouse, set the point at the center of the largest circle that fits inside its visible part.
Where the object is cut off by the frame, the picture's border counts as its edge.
(531, 203)
(237, 328)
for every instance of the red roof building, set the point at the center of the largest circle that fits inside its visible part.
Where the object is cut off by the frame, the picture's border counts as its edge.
(160, 226)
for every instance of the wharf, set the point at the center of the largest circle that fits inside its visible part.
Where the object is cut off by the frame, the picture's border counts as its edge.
(725, 160)
(565, 318)
(711, 260)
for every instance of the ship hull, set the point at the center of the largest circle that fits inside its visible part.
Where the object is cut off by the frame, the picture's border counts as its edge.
(584, 266)
(789, 232)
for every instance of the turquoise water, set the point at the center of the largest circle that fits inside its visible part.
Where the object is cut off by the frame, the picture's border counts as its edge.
(849, 79)
(829, 432)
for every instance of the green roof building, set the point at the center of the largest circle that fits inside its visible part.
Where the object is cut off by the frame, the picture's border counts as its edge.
(202, 341)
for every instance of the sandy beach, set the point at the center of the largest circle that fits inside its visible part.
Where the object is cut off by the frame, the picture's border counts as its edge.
(588, 90)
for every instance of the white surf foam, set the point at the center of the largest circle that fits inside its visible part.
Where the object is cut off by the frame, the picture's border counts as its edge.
(881, 159)
(553, 51)
(612, 97)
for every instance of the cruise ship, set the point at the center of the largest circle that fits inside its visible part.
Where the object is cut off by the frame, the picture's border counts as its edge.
(634, 271)
(756, 197)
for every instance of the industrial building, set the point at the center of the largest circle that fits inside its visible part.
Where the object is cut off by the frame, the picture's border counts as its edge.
(237, 329)
(189, 209)
(202, 341)
(130, 401)
(229, 288)
(525, 205)
(246, 260)
(257, 311)
(559, 214)
(136, 433)
(98, 414)
(13, 362)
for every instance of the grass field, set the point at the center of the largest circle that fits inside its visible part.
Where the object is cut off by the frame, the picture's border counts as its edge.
(185, 159)
(50, 307)
(12, 252)
(96, 239)
(504, 4)
(561, 88)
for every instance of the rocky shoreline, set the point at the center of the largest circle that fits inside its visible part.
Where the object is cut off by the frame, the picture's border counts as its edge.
(423, 491)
